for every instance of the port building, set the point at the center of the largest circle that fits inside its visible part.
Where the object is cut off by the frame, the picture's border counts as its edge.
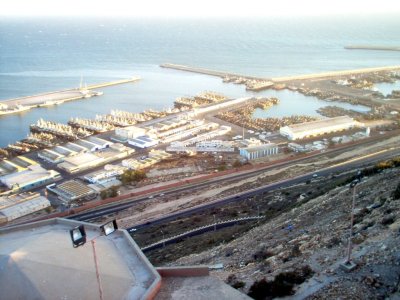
(45, 265)
(109, 173)
(204, 146)
(72, 190)
(319, 127)
(58, 154)
(130, 132)
(88, 160)
(32, 177)
(259, 151)
(17, 164)
(16, 206)
(143, 142)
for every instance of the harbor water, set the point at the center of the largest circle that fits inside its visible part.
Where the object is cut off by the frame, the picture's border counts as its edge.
(42, 55)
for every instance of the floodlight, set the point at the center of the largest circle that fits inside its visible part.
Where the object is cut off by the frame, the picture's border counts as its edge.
(78, 236)
(109, 227)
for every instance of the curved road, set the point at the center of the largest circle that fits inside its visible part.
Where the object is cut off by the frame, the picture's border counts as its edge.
(338, 168)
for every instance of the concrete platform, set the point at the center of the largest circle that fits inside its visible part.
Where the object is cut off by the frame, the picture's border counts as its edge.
(37, 261)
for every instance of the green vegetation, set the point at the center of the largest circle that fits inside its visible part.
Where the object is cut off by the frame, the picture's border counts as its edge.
(237, 164)
(109, 193)
(379, 167)
(131, 176)
(234, 282)
(281, 286)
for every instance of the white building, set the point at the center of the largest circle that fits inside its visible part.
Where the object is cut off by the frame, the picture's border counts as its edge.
(22, 208)
(103, 176)
(255, 152)
(90, 160)
(130, 132)
(30, 178)
(319, 127)
(208, 135)
(101, 143)
(81, 162)
(215, 146)
(143, 142)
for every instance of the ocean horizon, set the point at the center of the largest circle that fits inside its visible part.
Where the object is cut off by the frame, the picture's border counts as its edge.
(43, 55)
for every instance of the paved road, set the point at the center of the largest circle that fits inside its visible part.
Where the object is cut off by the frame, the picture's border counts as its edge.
(339, 168)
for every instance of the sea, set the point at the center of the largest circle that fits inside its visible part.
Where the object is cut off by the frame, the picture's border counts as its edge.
(40, 55)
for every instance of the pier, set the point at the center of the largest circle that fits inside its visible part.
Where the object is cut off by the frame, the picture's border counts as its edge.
(221, 74)
(17, 105)
(252, 83)
(334, 74)
(106, 84)
(378, 48)
(283, 79)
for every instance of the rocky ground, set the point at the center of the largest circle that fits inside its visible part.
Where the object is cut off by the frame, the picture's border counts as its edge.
(301, 232)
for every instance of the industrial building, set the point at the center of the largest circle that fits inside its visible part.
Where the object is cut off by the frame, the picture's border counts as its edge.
(16, 206)
(46, 265)
(155, 156)
(130, 132)
(314, 146)
(88, 160)
(58, 154)
(207, 136)
(17, 164)
(32, 177)
(109, 173)
(179, 126)
(254, 152)
(215, 146)
(51, 156)
(319, 127)
(80, 162)
(143, 142)
(204, 146)
(72, 190)
(167, 125)
(188, 130)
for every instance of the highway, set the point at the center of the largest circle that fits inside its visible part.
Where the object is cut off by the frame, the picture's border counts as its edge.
(349, 165)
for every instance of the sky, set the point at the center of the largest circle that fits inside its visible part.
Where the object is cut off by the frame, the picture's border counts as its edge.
(194, 8)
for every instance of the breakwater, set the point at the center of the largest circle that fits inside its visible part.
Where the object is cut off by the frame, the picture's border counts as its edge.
(380, 48)
(205, 71)
(252, 83)
(111, 83)
(283, 79)
(334, 74)
(17, 105)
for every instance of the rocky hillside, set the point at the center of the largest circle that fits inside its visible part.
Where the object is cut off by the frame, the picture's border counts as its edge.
(299, 252)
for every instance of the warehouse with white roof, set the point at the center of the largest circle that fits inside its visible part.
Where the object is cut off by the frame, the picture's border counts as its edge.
(319, 127)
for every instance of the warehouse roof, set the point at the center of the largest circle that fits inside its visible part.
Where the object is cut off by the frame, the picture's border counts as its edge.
(16, 198)
(82, 159)
(32, 174)
(24, 208)
(308, 126)
(72, 190)
(97, 141)
(260, 147)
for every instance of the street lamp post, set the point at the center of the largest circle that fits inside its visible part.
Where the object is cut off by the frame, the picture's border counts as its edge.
(348, 265)
(350, 245)
(163, 239)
